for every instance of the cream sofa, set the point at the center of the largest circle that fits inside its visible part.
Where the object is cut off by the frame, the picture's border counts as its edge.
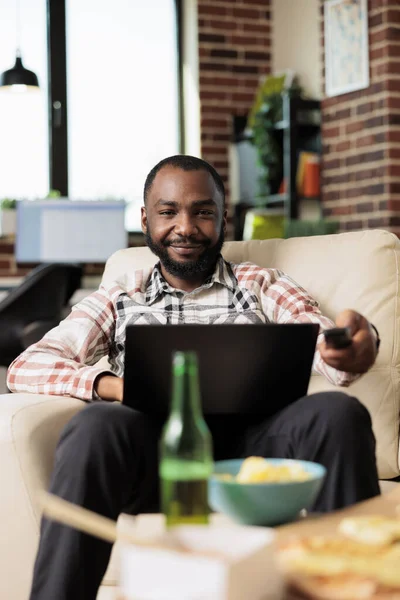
(352, 270)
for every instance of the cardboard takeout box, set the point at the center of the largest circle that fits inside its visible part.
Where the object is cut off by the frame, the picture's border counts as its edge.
(202, 562)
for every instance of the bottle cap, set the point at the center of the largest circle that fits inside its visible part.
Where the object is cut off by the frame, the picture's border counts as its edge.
(185, 361)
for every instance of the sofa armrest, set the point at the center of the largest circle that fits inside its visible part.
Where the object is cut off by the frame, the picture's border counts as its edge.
(30, 426)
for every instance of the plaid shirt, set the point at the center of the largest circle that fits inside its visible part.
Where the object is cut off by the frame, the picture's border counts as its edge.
(64, 361)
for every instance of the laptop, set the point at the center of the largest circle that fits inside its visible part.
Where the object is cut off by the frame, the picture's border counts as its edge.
(247, 369)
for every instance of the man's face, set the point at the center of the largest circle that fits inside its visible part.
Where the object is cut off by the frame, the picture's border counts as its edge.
(184, 221)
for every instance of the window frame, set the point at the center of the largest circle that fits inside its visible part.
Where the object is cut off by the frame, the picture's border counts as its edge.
(57, 91)
(57, 96)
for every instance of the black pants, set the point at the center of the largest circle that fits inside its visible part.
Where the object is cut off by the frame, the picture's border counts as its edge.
(106, 460)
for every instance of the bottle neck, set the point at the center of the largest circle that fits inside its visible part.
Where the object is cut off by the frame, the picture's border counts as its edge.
(185, 390)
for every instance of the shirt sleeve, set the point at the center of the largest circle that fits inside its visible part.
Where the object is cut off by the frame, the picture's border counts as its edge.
(284, 301)
(61, 363)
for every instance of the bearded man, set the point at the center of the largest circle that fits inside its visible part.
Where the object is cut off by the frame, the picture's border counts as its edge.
(106, 459)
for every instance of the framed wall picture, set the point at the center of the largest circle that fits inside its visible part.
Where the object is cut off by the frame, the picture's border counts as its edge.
(346, 46)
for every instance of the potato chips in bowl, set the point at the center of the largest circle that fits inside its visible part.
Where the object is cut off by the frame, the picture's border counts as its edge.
(256, 469)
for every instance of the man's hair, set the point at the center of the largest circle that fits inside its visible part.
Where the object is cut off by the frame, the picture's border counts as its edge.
(186, 163)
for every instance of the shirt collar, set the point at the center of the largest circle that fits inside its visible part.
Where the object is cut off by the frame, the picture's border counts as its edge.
(158, 286)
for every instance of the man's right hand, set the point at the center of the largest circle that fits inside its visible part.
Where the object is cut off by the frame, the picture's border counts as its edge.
(109, 387)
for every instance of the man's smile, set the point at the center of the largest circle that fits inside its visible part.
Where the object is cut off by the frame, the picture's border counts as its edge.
(185, 249)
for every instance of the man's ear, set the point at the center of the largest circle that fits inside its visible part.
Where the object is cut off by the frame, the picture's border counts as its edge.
(225, 220)
(143, 219)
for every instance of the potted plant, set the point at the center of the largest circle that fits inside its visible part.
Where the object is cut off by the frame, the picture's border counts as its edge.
(8, 213)
(53, 194)
(269, 151)
(264, 114)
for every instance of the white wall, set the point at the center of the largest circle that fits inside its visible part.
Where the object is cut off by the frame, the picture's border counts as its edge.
(296, 41)
(190, 79)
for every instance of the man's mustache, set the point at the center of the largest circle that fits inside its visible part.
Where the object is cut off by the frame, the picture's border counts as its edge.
(186, 242)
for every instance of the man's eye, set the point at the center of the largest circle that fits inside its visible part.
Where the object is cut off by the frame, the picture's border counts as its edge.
(167, 212)
(205, 212)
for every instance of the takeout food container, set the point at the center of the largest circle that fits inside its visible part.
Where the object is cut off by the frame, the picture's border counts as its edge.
(202, 562)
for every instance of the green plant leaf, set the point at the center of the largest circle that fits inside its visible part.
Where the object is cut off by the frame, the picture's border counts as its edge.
(8, 203)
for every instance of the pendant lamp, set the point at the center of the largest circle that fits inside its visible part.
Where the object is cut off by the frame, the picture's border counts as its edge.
(18, 78)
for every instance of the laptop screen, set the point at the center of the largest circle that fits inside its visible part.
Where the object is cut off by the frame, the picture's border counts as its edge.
(243, 369)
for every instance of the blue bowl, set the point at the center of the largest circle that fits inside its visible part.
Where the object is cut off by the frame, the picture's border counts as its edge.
(263, 503)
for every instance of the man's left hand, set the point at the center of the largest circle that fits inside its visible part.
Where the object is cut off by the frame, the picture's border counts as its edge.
(361, 354)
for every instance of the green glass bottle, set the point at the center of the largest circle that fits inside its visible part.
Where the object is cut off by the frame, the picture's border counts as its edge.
(186, 460)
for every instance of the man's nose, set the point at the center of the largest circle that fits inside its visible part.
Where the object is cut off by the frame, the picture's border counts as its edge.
(185, 225)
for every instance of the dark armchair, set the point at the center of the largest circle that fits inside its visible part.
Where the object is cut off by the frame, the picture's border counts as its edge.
(35, 306)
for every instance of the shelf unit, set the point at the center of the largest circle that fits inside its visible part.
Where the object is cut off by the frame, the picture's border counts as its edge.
(299, 129)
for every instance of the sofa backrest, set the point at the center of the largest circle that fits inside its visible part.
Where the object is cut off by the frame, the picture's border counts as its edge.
(357, 270)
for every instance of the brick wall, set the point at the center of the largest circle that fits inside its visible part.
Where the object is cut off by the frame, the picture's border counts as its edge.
(361, 134)
(10, 268)
(234, 49)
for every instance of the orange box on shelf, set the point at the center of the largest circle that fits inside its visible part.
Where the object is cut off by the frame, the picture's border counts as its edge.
(312, 186)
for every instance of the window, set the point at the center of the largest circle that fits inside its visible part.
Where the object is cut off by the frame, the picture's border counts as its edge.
(123, 96)
(24, 161)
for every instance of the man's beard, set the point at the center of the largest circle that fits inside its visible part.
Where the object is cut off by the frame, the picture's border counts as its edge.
(203, 265)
